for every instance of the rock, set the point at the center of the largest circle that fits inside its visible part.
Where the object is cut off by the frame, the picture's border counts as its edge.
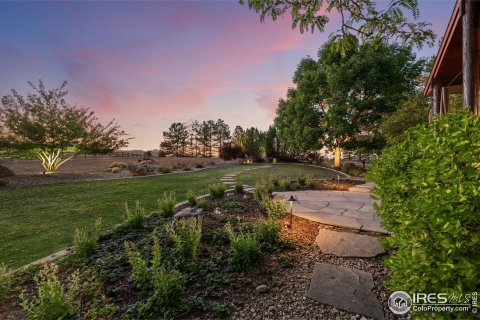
(239, 161)
(217, 211)
(5, 172)
(261, 288)
(272, 309)
(345, 288)
(142, 169)
(347, 244)
(188, 212)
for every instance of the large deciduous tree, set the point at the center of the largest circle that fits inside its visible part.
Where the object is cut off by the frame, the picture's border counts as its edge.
(44, 124)
(359, 19)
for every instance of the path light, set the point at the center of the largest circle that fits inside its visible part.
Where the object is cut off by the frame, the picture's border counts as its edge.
(291, 200)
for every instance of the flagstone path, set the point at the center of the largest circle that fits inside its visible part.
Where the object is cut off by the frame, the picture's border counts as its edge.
(344, 288)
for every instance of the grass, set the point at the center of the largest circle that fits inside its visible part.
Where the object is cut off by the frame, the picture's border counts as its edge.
(40, 220)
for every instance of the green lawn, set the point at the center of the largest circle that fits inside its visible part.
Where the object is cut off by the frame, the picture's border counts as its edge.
(40, 220)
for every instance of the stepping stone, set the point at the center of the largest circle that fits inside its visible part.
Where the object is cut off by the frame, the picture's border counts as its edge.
(329, 219)
(346, 244)
(231, 174)
(227, 179)
(228, 182)
(344, 288)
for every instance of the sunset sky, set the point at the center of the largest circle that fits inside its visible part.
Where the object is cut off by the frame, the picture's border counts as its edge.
(148, 64)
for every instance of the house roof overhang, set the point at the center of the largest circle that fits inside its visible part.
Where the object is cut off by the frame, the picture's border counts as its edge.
(447, 68)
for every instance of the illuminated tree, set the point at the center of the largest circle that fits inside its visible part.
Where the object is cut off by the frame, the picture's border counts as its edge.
(44, 124)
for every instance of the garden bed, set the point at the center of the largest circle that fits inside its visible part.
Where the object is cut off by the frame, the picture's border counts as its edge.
(213, 287)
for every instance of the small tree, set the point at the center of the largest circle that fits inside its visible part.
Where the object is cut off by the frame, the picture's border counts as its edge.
(44, 124)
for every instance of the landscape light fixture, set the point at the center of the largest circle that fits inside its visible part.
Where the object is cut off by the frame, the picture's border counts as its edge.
(291, 200)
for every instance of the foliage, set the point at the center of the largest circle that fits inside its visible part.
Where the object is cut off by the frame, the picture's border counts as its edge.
(6, 279)
(253, 143)
(52, 301)
(244, 249)
(219, 310)
(116, 170)
(44, 124)
(428, 186)
(202, 204)
(309, 181)
(86, 241)
(175, 139)
(411, 112)
(301, 180)
(285, 184)
(217, 190)
(262, 190)
(122, 165)
(166, 204)
(238, 187)
(186, 236)
(360, 19)
(352, 169)
(268, 232)
(231, 151)
(164, 170)
(199, 165)
(166, 288)
(168, 291)
(135, 218)
(191, 198)
(274, 209)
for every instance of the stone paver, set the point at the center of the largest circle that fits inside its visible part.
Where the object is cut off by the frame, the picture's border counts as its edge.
(347, 244)
(344, 288)
(349, 209)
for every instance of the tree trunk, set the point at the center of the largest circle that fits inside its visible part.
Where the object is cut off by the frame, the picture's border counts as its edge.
(337, 160)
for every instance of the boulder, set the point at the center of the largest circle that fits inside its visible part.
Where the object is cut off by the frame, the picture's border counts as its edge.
(5, 172)
(142, 169)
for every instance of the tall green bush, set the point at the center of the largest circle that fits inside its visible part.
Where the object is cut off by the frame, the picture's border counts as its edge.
(86, 241)
(6, 279)
(429, 188)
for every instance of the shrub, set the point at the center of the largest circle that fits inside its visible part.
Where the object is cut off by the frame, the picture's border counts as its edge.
(199, 165)
(309, 182)
(238, 187)
(5, 280)
(219, 310)
(262, 190)
(116, 170)
(121, 165)
(164, 170)
(268, 232)
(187, 168)
(274, 209)
(352, 169)
(217, 190)
(52, 301)
(210, 163)
(429, 191)
(202, 204)
(244, 249)
(86, 241)
(166, 204)
(168, 291)
(302, 180)
(231, 152)
(141, 272)
(186, 237)
(191, 198)
(134, 219)
(285, 185)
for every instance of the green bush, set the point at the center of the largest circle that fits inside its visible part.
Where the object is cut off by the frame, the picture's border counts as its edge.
(429, 187)
(166, 204)
(285, 184)
(262, 190)
(141, 272)
(238, 187)
(217, 190)
(135, 218)
(6, 279)
(116, 170)
(202, 204)
(244, 249)
(164, 169)
(52, 301)
(309, 182)
(302, 180)
(86, 241)
(268, 232)
(186, 236)
(274, 209)
(219, 310)
(191, 198)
